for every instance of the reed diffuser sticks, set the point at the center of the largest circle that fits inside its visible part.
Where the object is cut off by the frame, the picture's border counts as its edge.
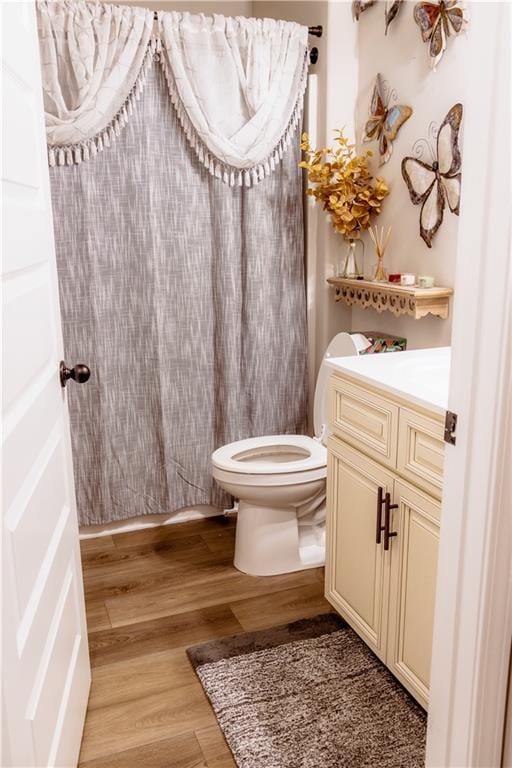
(380, 242)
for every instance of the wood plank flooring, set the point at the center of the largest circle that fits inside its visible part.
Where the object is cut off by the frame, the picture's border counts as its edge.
(149, 595)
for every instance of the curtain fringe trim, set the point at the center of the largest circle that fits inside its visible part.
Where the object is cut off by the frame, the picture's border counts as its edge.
(227, 173)
(73, 154)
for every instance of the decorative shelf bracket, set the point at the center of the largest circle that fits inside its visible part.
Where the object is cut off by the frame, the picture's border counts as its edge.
(398, 299)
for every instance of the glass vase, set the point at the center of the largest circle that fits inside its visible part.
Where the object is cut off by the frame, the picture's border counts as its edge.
(350, 266)
(380, 275)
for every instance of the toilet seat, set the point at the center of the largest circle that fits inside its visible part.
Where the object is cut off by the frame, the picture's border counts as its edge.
(280, 484)
(271, 455)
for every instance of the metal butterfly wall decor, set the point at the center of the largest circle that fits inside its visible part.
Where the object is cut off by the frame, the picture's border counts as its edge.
(358, 6)
(391, 11)
(385, 121)
(438, 22)
(437, 183)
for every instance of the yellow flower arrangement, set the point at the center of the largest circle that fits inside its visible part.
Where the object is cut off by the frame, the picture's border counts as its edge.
(344, 185)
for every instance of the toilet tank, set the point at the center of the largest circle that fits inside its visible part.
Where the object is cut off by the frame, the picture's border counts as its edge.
(342, 345)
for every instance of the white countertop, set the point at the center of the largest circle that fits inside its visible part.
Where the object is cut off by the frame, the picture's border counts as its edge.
(421, 375)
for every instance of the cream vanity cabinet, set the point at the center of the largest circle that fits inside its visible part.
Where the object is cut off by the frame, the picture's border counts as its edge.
(384, 482)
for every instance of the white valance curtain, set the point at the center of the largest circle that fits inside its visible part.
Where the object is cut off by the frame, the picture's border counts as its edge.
(237, 84)
(93, 60)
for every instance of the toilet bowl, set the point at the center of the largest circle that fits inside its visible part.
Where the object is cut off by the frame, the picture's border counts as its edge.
(279, 481)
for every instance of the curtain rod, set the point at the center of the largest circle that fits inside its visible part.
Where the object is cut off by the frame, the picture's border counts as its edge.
(315, 31)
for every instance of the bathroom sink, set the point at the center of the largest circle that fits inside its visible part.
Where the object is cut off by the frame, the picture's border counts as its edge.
(421, 375)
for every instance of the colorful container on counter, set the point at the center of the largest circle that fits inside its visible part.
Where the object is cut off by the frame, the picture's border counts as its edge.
(383, 342)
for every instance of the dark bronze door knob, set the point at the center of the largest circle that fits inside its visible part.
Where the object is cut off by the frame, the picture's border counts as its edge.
(80, 373)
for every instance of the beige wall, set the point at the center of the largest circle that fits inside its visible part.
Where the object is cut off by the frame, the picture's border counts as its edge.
(351, 54)
(401, 58)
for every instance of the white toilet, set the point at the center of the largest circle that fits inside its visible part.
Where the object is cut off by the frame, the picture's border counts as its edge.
(279, 481)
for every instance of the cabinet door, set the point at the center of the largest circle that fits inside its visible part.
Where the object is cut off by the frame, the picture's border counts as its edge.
(357, 573)
(413, 588)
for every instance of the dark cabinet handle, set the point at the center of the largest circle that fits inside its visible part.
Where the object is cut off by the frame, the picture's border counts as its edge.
(80, 373)
(388, 506)
(380, 502)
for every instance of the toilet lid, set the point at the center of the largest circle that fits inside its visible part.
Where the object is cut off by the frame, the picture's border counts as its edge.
(342, 345)
(271, 454)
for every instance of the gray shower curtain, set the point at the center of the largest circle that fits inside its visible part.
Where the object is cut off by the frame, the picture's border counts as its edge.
(186, 298)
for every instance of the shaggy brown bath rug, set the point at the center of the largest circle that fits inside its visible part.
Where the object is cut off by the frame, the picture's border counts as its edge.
(309, 695)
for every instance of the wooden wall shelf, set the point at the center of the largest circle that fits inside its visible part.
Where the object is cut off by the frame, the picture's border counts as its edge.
(398, 299)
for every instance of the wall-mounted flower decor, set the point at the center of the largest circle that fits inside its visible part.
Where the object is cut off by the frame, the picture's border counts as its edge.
(358, 6)
(391, 11)
(385, 121)
(437, 183)
(437, 22)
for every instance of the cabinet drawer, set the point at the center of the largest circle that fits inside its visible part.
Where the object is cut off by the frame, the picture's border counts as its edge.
(365, 420)
(421, 451)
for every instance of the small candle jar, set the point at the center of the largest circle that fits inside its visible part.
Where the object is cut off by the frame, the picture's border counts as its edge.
(407, 279)
(394, 277)
(425, 281)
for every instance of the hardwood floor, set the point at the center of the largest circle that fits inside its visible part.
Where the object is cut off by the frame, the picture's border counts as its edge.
(149, 595)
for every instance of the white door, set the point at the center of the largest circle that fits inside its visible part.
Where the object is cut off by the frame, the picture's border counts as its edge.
(45, 660)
